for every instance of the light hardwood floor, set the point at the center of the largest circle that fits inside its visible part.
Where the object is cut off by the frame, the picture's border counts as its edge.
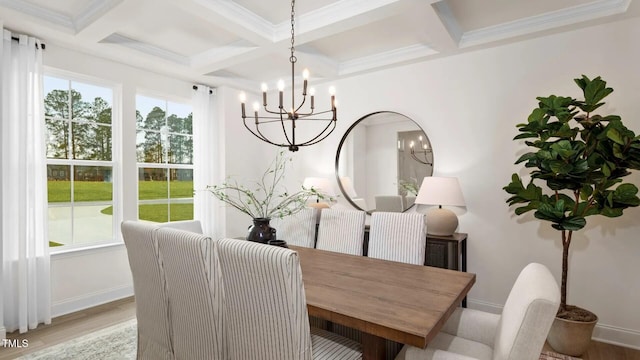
(67, 327)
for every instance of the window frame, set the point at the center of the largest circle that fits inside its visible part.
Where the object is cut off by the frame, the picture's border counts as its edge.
(165, 165)
(115, 163)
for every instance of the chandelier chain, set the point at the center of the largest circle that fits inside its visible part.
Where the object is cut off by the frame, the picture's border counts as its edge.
(293, 13)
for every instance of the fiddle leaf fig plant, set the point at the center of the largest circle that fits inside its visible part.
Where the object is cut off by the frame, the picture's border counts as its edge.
(576, 163)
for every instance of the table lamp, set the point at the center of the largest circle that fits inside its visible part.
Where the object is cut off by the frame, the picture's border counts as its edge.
(440, 191)
(321, 185)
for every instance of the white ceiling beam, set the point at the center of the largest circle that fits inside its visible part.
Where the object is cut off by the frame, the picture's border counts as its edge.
(101, 20)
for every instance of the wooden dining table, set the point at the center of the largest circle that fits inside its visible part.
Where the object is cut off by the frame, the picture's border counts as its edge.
(383, 299)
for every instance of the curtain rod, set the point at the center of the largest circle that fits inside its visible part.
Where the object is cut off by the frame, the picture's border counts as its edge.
(42, 45)
(195, 87)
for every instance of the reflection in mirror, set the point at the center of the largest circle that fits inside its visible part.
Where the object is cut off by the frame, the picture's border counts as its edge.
(381, 161)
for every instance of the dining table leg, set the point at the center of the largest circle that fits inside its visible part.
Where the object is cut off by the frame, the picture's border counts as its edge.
(373, 347)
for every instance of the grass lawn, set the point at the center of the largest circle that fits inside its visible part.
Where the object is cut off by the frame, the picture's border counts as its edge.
(159, 212)
(60, 191)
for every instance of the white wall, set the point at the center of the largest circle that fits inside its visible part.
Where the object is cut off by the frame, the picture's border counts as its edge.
(468, 105)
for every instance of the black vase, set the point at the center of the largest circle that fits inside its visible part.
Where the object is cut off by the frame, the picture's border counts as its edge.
(261, 231)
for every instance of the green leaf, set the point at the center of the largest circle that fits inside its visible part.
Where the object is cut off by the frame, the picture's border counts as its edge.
(573, 223)
(615, 136)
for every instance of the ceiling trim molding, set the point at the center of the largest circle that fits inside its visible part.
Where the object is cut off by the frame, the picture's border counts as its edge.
(92, 12)
(545, 21)
(41, 13)
(448, 20)
(118, 39)
(328, 15)
(241, 16)
(221, 53)
(395, 56)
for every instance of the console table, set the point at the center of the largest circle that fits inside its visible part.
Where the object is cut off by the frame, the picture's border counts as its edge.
(449, 252)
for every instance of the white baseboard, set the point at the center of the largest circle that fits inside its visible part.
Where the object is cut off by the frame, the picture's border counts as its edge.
(617, 336)
(604, 333)
(90, 300)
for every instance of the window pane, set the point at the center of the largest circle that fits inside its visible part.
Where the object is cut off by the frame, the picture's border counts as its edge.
(59, 224)
(180, 149)
(181, 184)
(58, 183)
(152, 112)
(56, 97)
(92, 224)
(57, 139)
(91, 141)
(149, 147)
(92, 184)
(78, 121)
(179, 118)
(152, 184)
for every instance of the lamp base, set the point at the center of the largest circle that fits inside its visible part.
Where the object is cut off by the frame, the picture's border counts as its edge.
(441, 222)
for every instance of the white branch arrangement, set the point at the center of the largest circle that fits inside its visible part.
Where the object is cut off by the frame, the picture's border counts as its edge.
(266, 198)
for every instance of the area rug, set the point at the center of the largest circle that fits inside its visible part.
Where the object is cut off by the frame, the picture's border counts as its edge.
(550, 355)
(117, 342)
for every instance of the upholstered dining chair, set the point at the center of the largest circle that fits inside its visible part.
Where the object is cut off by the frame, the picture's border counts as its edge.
(152, 306)
(517, 334)
(187, 225)
(265, 307)
(341, 231)
(398, 237)
(195, 293)
(298, 229)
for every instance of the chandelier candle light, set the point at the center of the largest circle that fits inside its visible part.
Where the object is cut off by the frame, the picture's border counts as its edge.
(424, 152)
(288, 118)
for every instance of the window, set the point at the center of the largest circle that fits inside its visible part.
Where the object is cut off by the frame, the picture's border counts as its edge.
(80, 166)
(164, 145)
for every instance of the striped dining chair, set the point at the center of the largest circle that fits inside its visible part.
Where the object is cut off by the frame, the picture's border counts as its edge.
(195, 293)
(152, 304)
(398, 237)
(187, 225)
(341, 231)
(298, 229)
(265, 307)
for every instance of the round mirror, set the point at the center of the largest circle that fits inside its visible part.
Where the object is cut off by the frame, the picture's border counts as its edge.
(381, 161)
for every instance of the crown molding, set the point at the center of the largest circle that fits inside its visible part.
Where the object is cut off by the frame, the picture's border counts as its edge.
(117, 39)
(222, 53)
(92, 12)
(40, 13)
(241, 16)
(448, 20)
(545, 21)
(395, 56)
(327, 15)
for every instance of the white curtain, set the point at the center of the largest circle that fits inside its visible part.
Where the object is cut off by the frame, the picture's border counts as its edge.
(208, 160)
(25, 295)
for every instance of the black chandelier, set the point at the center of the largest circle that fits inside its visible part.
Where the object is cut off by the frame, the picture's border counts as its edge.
(288, 118)
(422, 155)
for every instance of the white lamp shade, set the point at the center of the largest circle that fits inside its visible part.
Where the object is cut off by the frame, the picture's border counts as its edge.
(322, 185)
(440, 191)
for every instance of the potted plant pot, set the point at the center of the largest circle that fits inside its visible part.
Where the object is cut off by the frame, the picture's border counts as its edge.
(572, 337)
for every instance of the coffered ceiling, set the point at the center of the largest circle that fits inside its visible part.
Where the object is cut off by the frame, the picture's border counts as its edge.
(245, 42)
